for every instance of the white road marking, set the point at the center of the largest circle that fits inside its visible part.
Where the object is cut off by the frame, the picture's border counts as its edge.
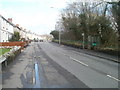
(34, 80)
(76, 52)
(113, 77)
(63, 53)
(80, 53)
(79, 61)
(74, 59)
(86, 64)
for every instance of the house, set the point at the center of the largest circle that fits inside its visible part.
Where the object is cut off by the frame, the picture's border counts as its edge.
(17, 28)
(29, 35)
(22, 32)
(46, 37)
(6, 29)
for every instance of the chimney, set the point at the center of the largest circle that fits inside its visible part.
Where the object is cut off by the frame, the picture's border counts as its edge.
(17, 25)
(10, 20)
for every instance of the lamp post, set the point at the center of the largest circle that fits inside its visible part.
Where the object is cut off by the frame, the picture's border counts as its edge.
(83, 40)
(57, 27)
(59, 37)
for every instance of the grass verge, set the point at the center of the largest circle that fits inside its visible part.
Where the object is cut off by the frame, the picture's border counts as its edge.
(4, 50)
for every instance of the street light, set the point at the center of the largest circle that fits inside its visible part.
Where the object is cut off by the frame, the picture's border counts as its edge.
(59, 37)
(59, 28)
(59, 33)
(83, 40)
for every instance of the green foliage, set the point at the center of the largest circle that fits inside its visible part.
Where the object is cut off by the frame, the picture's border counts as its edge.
(15, 37)
(4, 50)
(70, 25)
(55, 34)
(116, 15)
(80, 18)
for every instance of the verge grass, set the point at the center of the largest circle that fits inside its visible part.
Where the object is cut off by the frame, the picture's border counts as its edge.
(4, 50)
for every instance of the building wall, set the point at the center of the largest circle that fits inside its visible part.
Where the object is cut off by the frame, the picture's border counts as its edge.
(0, 30)
(6, 30)
(21, 33)
(16, 29)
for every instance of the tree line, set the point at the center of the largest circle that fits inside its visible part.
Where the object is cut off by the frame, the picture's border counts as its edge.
(98, 21)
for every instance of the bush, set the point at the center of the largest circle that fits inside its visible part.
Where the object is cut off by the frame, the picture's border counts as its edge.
(76, 44)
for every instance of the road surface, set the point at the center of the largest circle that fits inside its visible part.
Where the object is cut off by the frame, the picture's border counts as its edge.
(94, 72)
(54, 66)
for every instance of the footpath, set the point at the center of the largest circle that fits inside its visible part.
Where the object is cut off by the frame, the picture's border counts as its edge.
(20, 72)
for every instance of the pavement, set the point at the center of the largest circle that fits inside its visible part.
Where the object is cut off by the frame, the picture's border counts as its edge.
(33, 68)
(20, 72)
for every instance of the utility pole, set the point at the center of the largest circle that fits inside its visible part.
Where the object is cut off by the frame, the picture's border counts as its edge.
(59, 28)
(83, 40)
(59, 37)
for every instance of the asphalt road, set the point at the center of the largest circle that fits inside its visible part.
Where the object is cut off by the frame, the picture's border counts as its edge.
(93, 71)
(48, 65)
(35, 69)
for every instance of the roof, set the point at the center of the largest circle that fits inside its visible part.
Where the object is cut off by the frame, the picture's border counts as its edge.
(17, 27)
(7, 20)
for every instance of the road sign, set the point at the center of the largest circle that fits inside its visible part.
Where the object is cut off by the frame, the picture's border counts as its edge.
(94, 44)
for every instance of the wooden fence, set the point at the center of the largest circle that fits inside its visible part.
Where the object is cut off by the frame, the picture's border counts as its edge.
(22, 44)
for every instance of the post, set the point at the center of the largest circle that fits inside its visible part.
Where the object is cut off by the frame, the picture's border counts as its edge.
(59, 37)
(83, 40)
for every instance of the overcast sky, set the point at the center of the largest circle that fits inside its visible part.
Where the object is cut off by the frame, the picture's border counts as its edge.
(34, 15)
